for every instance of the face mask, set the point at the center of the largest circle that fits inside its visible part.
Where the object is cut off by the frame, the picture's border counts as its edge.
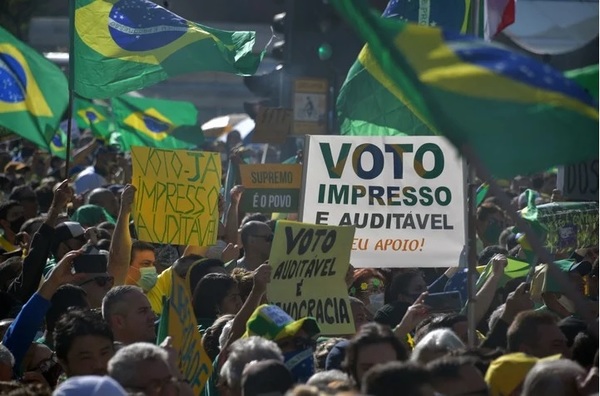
(148, 278)
(567, 304)
(492, 232)
(301, 364)
(375, 302)
(15, 225)
(215, 251)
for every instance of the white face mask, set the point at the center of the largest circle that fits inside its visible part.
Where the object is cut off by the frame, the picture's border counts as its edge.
(215, 251)
(567, 304)
(375, 302)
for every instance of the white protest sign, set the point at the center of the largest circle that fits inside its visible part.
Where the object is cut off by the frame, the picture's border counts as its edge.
(405, 195)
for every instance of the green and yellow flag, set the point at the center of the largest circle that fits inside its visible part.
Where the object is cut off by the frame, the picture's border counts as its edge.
(125, 45)
(156, 123)
(33, 92)
(58, 144)
(94, 117)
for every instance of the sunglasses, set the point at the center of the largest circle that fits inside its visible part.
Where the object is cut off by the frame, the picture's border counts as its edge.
(267, 238)
(101, 281)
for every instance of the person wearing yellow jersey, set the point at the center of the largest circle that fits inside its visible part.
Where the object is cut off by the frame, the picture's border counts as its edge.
(12, 217)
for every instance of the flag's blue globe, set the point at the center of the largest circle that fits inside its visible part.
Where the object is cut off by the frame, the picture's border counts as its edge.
(13, 81)
(91, 116)
(155, 125)
(144, 26)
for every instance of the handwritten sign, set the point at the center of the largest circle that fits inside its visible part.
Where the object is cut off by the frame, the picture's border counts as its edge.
(579, 181)
(404, 194)
(177, 195)
(309, 266)
(194, 363)
(271, 187)
(273, 125)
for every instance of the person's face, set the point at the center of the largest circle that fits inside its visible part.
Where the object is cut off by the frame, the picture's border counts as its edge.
(415, 288)
(551, 341)
(30, 204)
(137, 324)
(153, 379)
(371, 355)
(110, 203)
(260, 241)
(14, 215)
(96, 286)
(232, 303)
(88, 355)
(469, 383)
(361, 315)
(143, 259)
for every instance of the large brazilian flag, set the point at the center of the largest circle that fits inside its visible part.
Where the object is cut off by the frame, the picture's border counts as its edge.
(124, 45)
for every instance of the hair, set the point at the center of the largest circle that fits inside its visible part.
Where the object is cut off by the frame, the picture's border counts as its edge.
(322, 379)
(254, 217)
(371, 334)
(446, 321)
(557, 378)
(6, 357)
(44, 195)
(486, 210)
(387, 379)
(524, 328)
(14, 388)
(123, 367)
(363, 275)
(488, 252)
(182, 265)
(448, 367)
(436, 341)
(5, 207)
(140, 246)
(209, 294)
(481, 357)
(244, 351)
(323, 350)
(67, 296)
(78, 323)
(106, 226)
(31, 226)
(95, 197)
(495, 315)
(17, 191)
(584, 349)
(210, 339)
(245, 281)
(399, 284)
(248, 229)
(267, 377)
(202, 268)
(112, 301)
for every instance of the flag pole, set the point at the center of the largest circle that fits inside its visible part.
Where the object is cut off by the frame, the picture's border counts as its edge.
(71, 74)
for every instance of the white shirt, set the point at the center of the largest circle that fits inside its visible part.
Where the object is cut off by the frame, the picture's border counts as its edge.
(88, 179)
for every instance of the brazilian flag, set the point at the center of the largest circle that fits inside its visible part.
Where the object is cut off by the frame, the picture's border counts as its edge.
(58, 144)
(34, 93)
(156, 123)
(125, 45)
(89, 115)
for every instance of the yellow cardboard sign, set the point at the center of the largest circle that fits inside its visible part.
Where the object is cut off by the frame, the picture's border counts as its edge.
(309, 266)
(271, 175)
(177, 195)
(194, 363)
(273, 125)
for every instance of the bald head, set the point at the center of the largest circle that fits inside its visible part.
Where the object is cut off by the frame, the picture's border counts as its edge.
(105, 198)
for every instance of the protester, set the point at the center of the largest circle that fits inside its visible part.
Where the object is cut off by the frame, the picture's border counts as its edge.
(256, 238)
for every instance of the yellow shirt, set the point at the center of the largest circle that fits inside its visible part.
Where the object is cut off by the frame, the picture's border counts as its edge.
(161, 289)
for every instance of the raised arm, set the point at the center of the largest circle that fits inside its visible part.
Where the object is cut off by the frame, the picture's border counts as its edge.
(119, 255)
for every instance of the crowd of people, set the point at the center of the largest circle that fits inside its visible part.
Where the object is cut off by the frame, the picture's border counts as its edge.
(69, 330)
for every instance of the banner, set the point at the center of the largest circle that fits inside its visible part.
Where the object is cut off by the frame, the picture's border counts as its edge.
(177, 195)
(309, 266)
(273, 125)
(271, 187)
(579, 181)
(404, 194)
(179, 322)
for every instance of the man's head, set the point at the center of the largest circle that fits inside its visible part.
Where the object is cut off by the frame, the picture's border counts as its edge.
(106, 158)
(129, 314)
(104, 198)
(143, 368)
(242, 352)
(28, 199)
(65, 298)
(68, 236)
(393, 378)
(557, 378)
(142, 271)
(96, 286)
(406, 287)
(83, 343)
(537, 334)
(455, 322)
(12, 217)
(360, 313)
(373, 344)
(266, 377)
(256, 239)
(454, 376)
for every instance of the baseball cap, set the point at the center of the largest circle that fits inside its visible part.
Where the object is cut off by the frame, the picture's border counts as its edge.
(90, 385)
(273, 323)
(507, 373)
(65, 231)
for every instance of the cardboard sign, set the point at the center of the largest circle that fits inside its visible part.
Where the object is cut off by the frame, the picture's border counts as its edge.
(579, 181)
(309, 266)
(177, 195)
(194, 363)
(273, 125)
(271, 187)
(404, 194)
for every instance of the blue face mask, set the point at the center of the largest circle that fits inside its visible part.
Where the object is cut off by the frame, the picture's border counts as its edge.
(301, 364)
